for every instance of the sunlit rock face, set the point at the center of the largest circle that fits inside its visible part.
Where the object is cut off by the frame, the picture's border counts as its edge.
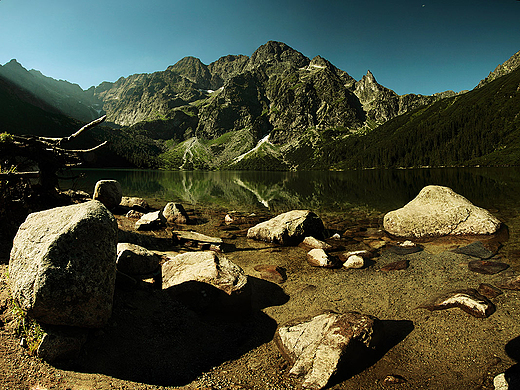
(439, 211)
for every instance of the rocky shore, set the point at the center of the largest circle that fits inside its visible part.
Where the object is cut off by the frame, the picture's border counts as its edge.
(424, 297)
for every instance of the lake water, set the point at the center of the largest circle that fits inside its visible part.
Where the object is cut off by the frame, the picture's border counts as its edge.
(380, 190)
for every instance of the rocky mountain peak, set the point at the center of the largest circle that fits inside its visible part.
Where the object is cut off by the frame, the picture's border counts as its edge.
(13, 66)
(193, 69)
(274, 51)
(507, 67)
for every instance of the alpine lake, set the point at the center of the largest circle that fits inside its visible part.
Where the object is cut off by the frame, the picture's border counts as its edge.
(446, 349)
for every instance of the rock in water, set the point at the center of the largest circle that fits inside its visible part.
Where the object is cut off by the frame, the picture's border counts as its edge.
(315, 346)
(175, 213)
(439, 211)
(396, 266)
(63, 265)
(468, 300)
(487, 267)
(108, 192)
(150, 221)
(475, 249)
(271, 273)
(319, 258)
(288, 228)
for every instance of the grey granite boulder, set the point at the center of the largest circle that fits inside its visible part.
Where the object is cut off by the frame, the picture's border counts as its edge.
(135, 260)
(315, 346)
(175, 213)
(63, 265)
(288, 228)
(439, 211)
(151, 221)
(208, 276)
(108, 192)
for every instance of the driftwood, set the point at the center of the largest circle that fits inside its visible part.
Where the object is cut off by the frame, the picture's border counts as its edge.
(46, 153)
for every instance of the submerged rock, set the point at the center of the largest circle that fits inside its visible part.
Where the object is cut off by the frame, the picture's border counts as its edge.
(439, 211)
(396, 266)
(475, 249)
(468, 300)
(314, 243)
(288, 228)
(315, 346)
(63, 265)
(271, 273)
(488, 290)
(487, 267)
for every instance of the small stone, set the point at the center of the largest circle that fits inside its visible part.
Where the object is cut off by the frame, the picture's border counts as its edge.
(408, 243)
(314, 243)
(404, 250)
(487, 267)
(318, 258)
(228, 219)
(396, 266)
(336, 236)
(468, 300)
(271, 273)
(138, 204)
(511, 284)
(489, 291)
(475, 249)
(394, 380)
(354, 261)
(378, 244)
(134, 214)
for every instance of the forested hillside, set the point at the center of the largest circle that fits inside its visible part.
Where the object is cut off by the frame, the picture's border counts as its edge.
(481, 127)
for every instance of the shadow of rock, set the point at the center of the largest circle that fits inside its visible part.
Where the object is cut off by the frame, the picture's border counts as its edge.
(156, 339)
(357, 358)
(512, 374)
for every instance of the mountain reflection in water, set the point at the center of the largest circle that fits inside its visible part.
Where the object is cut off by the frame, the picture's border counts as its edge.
(379, 190)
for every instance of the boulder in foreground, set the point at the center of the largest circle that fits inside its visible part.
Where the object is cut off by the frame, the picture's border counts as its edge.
(315, 346)
(439, 211)
(63, 265)
(288, 228)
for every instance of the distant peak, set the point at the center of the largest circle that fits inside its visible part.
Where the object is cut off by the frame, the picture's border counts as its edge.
(370, 76)
(278, 52)
(13, 64)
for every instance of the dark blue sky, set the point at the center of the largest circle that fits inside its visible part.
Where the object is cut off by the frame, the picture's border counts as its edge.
(423, 46)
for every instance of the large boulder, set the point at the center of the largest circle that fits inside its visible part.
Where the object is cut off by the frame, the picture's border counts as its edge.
(108, 192)
(63, 265)
(315, 346)
(135, 260)
(206, 278)
(288, 228)
(439, 211)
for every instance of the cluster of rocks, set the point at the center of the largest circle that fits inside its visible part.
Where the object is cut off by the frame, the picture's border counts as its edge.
(65, 263)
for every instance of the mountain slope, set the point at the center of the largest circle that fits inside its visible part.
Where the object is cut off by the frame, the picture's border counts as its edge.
(481, 127)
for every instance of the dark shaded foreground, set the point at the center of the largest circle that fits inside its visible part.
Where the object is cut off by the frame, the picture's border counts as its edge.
(155, 339)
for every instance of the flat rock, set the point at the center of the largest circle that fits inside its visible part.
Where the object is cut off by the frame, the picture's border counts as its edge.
(439, 211)
(487, 267)
(315, 346)
(488, 290)
(510, 284)
(288, 228)
(194, 236)
(468, 300)
(475, 249)
(63, 265)
(108, 192)
(271, 273)
(60, 344)
(396, 266)
(135, 260)
(151, 221)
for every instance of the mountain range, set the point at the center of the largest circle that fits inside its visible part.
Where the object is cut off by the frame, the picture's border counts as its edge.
(274, 110)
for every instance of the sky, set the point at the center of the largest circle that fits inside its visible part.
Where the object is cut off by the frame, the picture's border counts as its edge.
(423, 46)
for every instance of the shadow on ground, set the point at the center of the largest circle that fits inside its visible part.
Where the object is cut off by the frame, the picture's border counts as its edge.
(155, 339)
(357, 358)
